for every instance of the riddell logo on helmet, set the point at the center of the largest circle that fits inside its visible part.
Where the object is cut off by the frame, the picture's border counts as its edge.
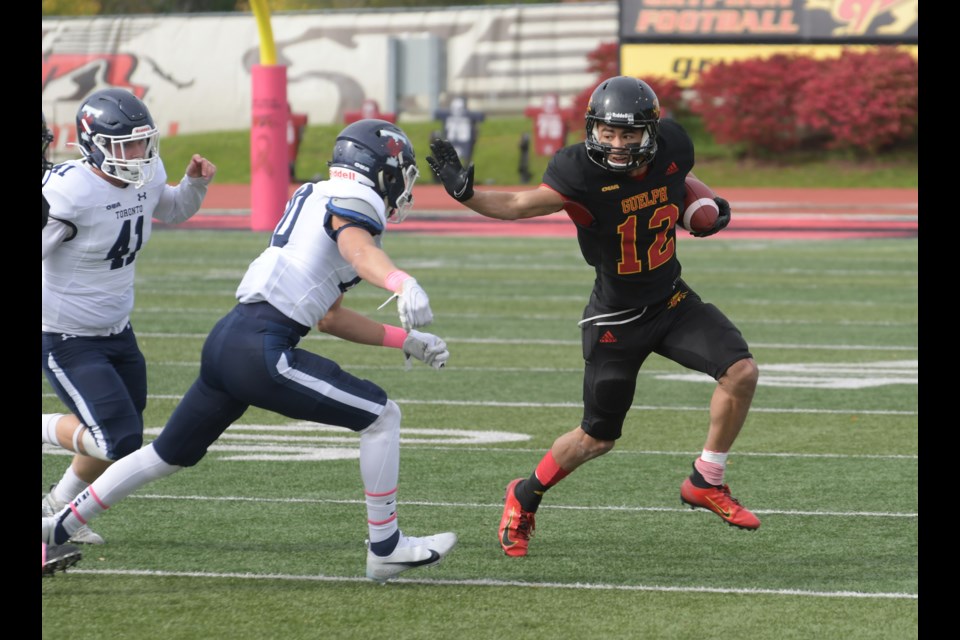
(620, 116)
(346, 174)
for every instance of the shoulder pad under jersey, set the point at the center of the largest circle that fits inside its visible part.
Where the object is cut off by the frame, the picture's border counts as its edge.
(357, 210)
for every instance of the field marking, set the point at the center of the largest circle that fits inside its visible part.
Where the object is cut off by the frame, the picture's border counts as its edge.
(645, 407)
(577, 405)
(549, 342)
(746, 454)
(348, 448)
(809, 375)
(564, 317)
(499, 505)
(487, 582)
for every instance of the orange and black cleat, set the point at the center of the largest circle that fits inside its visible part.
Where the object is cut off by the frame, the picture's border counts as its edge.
(719, 500)
(516, 525)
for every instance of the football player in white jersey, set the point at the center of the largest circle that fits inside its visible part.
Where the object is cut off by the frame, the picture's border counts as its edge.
(101, 211)
(327, 241)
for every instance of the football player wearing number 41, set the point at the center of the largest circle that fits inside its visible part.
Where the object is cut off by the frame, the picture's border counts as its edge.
(100, 214)
(327, 240)
(624, 190)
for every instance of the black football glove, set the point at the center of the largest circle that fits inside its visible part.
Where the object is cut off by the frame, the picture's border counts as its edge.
(446, 164)
(722, 220)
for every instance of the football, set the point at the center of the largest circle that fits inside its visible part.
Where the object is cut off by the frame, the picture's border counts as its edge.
(700, 211)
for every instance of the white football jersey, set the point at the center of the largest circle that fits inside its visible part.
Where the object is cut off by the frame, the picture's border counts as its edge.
(302, 272)
(87, 280)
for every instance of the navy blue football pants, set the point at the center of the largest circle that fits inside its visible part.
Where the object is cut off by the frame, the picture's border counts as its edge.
(103, 381)
(249, 359)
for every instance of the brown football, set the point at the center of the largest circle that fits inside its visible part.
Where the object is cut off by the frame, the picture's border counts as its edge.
(700, 211)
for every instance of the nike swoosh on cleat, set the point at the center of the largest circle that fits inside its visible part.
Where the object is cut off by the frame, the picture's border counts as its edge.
(721, 512)
(434, 557)
(505, 538)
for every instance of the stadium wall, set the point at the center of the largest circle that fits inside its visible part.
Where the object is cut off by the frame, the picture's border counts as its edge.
(193, 71)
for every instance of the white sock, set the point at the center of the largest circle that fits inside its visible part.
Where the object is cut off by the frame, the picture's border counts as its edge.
(48, 428)
(120, 479)
(68, 487)
(381, 515)
(380, 471)
(715, 456)
(712, 465)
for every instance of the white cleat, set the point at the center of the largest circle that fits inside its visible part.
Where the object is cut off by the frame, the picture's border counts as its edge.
(410, 553)
(49, 507)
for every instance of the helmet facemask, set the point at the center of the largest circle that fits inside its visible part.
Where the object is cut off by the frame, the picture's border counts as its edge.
(638, 155)
(129, 158)
(401, 206)
(629, 103)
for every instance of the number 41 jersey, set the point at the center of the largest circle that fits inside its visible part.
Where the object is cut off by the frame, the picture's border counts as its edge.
(87, 281)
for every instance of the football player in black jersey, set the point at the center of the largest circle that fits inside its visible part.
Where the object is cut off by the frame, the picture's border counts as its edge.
(624, 191)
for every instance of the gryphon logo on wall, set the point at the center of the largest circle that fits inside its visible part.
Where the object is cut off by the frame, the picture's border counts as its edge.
(858, 17)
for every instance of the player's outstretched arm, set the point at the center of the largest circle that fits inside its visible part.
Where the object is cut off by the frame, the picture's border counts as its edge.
(348, 324)
(351, 325)
(182, 202)
(200, 167)
(502, 205)
(445, 163)
(374, 265)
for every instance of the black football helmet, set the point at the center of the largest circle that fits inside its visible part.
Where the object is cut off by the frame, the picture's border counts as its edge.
(113, 124)
(46, 137)
(625, 102)
(378, 154)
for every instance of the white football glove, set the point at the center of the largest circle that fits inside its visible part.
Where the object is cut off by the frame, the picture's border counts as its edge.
(413, 305)
(427, 348)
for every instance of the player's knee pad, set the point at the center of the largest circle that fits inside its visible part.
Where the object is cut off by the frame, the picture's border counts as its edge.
(614, 395)
(179, 451)
(388, 421)
(83, 441)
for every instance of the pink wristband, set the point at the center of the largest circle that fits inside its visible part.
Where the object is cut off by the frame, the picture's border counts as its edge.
(393, 336)
(394, 280)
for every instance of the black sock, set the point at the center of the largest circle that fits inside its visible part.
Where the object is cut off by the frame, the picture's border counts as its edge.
(698, 480)
(529, 492)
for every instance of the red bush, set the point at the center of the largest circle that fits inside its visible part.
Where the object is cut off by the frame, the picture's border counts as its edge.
(753, 101)
(604, 61)
(864, 101)
(861, 101)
